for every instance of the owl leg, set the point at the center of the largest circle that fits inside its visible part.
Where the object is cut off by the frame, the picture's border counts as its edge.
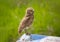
(31, 29)
(27, 31)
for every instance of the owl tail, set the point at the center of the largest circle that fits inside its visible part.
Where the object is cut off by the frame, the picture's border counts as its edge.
(19, 31)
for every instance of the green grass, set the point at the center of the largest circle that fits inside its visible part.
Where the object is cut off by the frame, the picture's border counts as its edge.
(46, 17)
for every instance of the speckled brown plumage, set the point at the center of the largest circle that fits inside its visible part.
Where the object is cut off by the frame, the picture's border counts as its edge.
(27, 20)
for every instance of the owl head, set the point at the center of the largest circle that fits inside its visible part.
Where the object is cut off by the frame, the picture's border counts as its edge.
(29, 10)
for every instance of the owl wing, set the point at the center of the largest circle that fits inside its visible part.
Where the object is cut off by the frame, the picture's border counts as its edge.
(23, 24)
(24, 21)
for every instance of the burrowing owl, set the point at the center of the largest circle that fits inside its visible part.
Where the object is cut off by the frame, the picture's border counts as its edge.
(27, 20)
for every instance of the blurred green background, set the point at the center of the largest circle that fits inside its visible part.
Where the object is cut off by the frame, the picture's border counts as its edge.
(46, 22)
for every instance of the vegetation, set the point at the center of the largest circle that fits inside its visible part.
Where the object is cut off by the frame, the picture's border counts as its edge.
(46, 22)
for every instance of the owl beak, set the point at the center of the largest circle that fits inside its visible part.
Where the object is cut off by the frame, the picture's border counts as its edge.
(31, 12)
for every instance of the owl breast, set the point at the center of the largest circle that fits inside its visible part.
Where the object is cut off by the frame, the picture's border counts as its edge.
(30, 20)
